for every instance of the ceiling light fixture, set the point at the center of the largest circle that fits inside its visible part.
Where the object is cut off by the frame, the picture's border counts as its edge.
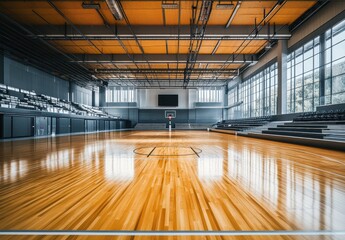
(225, 5)
(90, 5)
(115, 9)
(166, 5)
(233, 14)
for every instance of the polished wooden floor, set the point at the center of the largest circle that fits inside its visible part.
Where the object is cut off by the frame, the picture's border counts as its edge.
(184, 180)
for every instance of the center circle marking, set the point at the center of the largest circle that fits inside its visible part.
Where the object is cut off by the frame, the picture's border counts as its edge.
(150, 151)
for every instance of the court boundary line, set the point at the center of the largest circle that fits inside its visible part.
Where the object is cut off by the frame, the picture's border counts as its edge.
(172, 233)
(195, 152)
(151, 151)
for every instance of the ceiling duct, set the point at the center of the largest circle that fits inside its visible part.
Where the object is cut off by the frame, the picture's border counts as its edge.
(115, 9)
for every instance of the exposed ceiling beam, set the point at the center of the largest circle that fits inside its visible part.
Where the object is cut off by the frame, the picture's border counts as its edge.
(164, 71)
(179, 80)
(164, 58)
(225, 1)
(308, 14)
(63, 32)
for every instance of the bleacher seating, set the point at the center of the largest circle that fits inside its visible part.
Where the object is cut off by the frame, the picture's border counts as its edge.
(317, 125)
(41, 102)
(332, 115)
(243, 124)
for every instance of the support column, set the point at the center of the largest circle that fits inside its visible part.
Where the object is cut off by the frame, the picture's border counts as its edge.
(93, 98)
(225, 97)
(282, 76)
(102, 96)
(322, 69)
(2, 67)
(70, 92)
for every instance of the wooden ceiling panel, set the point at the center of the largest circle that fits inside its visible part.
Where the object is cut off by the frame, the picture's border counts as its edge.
(238, 46)
(208, 46)
(251, 10)
(159, 65)
(173, 46)
(154, 46)
(79, 49)
(101, 66)
(219, 16)
(226, 66)
(31, 15)
(106, 42)
(151, 13)
(111, 49)
(148, 12)
(143, 13)
(291, 11)
(171, 15)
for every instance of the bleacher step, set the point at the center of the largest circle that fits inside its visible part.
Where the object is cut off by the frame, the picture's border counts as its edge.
(315, 130)
(296, 134)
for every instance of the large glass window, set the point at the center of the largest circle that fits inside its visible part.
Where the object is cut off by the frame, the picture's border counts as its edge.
(210, 94)
(121, 94)
(259, 93)
(304, 72)
(256, 96)
(303, 69)
(335, 64)
(232, 96)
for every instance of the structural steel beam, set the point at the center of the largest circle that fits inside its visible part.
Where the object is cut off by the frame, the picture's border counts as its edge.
(62, 32)
(164, 70)
(164, 58)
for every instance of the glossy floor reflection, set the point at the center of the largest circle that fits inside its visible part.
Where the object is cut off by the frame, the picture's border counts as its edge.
(98, 182)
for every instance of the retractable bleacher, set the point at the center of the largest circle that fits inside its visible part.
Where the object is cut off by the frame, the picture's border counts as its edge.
(240, 125)
(318, 125)
(41, 102)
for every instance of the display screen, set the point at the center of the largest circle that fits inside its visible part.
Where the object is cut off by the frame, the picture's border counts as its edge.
(168, 100)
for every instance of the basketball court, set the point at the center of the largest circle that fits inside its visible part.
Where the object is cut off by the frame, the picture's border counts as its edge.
(151, 182)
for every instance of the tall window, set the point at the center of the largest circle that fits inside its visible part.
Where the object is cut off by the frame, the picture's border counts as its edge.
(233, 112)
(232, 96)
(210, 94)
(308, 65)
(121, 94)
(335, 64)
(259, 94)
(303, 82)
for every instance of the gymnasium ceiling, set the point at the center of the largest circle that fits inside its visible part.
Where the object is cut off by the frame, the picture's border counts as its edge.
(156, 43)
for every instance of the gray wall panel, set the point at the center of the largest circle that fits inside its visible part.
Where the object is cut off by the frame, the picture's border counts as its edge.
(199, 115)
(208, 115)
(122, 124)
(6, 127)
(91, 125)
(22, 126)
(101, 125)
(29, 78)
(125, 113)
(112, 125)
(77, 125)
(106, 125)
(63, 125)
